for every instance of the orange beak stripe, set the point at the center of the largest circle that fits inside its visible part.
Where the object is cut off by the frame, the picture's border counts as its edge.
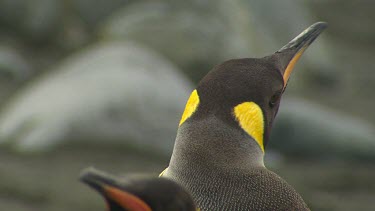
(290, 67)
(126, 200)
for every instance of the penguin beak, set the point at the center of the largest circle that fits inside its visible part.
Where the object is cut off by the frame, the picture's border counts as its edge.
(291, 52)
(97, 180)
(107, 186)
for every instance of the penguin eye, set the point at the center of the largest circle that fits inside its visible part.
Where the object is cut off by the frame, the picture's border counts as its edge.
(275, 98)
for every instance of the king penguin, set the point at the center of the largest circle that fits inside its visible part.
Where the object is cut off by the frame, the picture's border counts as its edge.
(138, 193)
(225, 127)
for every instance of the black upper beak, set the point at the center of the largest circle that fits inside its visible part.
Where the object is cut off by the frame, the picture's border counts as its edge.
(96, 179)
(291, 52)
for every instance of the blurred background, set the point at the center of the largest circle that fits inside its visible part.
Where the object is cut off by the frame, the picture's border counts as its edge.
(103, 83)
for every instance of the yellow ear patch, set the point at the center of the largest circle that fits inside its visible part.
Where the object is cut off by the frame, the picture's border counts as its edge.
(191, 106)
(250, 117)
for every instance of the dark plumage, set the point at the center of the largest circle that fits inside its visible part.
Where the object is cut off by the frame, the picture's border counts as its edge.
(219, 149)
(138, 193)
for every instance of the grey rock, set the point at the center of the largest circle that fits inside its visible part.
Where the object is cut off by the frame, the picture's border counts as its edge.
(36, 20)
(13, 66)
(310, 130)
(111, 93)
(92, 15)
(195, 35)
(351, 35)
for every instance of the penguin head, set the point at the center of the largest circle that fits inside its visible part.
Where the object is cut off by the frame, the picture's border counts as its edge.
(138, 193)
(246, 93)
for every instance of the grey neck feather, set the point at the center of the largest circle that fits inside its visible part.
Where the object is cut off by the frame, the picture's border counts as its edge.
(210, 143)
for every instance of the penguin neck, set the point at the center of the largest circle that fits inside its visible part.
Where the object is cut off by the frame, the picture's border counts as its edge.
(211, 143)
